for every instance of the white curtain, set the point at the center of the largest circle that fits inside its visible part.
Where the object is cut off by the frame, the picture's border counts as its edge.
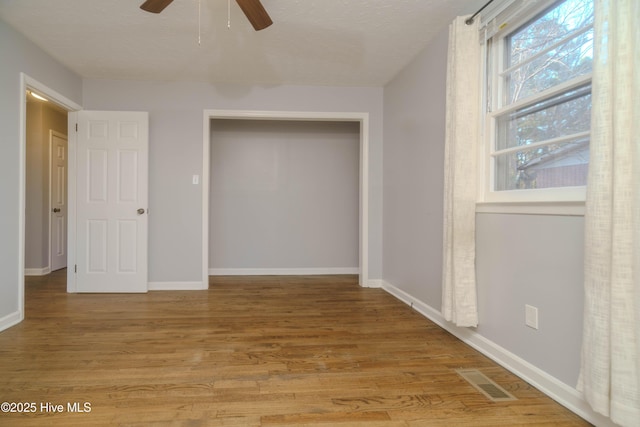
(610, 369)
(459, 301)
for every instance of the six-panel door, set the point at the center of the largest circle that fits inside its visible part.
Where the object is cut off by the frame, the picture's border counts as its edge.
(111, 207)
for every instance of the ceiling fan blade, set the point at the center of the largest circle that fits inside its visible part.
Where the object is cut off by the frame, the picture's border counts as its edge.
(256, 14)
(155, 6)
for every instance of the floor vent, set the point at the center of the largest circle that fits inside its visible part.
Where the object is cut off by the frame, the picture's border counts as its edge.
(485, 386)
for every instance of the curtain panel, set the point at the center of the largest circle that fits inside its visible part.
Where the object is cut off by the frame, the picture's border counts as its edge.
(459, 299)
(610, 366)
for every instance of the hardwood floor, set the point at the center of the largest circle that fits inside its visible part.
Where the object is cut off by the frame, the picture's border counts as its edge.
(260, 351)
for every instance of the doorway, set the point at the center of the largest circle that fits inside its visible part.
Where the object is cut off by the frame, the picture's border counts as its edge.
(363, 200)
(284, 197)
(28, 83)
(46, 185)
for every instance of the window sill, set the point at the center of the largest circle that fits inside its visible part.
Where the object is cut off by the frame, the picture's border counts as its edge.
(532, 208)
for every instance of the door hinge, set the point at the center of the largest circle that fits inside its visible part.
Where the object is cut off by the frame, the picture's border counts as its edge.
(75, 268)
(76, 127)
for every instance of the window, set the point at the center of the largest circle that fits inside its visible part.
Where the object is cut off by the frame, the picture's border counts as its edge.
(538, 98)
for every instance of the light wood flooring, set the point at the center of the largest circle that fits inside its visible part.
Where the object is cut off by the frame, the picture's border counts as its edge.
(259, 351)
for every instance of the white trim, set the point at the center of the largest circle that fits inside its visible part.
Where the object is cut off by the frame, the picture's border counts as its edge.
(533, 208)
(375, 283)
(282, 271)
(177, 286)
(327, 116)
(364, 198)
(52, 95)
(534, 145)
(544, 95)
(206, 160)
(558, 195)
(37, 271)
(424, 309)
(72, 143)
(554, 388)
(22, 195)
(11, 319)
(362, 118)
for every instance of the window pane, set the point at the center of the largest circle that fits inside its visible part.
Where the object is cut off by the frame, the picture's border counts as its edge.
(554, 165)
(549, 28)
(564, 114)
(569, 60)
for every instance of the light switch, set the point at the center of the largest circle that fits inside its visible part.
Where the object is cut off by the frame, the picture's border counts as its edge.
(196, 179)
(531, 316)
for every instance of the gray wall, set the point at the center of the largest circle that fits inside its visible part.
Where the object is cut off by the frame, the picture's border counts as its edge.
(535, 260)
(521, 259)
(414, 107)
(284, 194)
(175, 155)
(19, 55)
(41, 118)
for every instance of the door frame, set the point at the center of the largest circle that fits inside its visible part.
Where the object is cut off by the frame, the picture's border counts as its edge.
(362, 118)
(29, 83)
(53, 133)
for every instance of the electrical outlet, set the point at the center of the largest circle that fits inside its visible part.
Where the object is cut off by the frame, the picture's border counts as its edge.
(531, 316)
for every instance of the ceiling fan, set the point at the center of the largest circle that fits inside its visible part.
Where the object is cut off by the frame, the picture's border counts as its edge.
(253, 9)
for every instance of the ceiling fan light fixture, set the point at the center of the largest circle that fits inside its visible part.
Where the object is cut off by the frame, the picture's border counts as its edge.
(253, 10)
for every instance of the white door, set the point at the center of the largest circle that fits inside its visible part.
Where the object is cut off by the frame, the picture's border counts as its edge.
(58, 201)
(111, 201)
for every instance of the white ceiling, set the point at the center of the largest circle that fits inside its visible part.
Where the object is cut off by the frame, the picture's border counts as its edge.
(312, 42)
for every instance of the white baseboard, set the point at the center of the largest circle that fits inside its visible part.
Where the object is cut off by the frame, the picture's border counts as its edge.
(177, 286)
(10, 320)
(374, 283)
(281, 271)
(554, 388)
(37, 271)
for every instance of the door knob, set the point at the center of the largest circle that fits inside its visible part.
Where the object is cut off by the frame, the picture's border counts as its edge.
(140, 211)
(56, 210)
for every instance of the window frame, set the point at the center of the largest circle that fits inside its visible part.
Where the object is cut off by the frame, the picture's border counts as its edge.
(558, 200)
